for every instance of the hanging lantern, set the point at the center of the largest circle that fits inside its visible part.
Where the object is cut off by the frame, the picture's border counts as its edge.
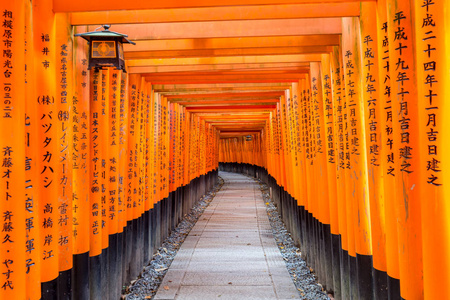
(106, 48)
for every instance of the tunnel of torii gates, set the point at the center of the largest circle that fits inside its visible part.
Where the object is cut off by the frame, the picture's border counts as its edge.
(337, 105)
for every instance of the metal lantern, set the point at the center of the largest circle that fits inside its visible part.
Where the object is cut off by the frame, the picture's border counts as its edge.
(106, 48)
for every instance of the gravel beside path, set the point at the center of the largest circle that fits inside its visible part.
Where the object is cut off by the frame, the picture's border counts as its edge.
(305, 281)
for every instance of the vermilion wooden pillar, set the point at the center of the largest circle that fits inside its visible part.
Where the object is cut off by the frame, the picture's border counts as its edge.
(299, 146)
(372, 120)
(309, 152)
(406, 124)
(112, 183)
(132, 176)
(32, 231)
(151, 149)
(131, 164)
(283, 143)
(321, 174)
(142, 133)
(104, 139)
(165, 146)
(147, 140)
(141, 176)
(64, 97)
(47, 151)
(431, 50)
(95, 183)
(387, 152)
(122, 173)
(340, 130)
(112, 178)
(12, 153)
(357, 165)
(331, 153)
(81, 185)
(148, 173)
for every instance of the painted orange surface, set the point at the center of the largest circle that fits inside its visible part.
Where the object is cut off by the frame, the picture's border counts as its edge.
(80, 151)
(103, 141)
(233, 42)
(95, 168)
(265, 12)
(320, 161)
(392, 261)
(370, 90)
(45, 82)
(225, 29)
(335, 105)
(432, 118)
(339, 136)
(227, 52)
(329, 141)
(32, 233)
(406, 148)
(358, 185)
(112, 198)
(64, 98)
(83, 5)
(12, 147)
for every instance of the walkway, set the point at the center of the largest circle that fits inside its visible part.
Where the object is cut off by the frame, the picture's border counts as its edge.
(230, 253)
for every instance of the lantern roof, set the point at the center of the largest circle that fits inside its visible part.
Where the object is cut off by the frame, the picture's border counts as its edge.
(106, 33)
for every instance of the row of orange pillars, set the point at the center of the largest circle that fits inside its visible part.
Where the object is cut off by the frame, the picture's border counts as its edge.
(98, 167)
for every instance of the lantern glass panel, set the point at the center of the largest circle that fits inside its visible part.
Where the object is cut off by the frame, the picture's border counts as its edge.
(121, 51)
(104, 49)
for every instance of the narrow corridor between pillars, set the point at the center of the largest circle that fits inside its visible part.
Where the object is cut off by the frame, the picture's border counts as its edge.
(231, 252)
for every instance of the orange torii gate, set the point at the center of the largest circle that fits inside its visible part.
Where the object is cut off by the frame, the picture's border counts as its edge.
(338, 106)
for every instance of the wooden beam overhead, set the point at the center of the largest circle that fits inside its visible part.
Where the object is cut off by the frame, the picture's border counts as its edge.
(294, 77)
(243, 129)
(108, 5)
(166, 91)
(294, 67)
(232, 108)
(243, 96)
(224, 60)
(236, 128)
(230, 124)
(209, 90)
(233, 43)
(217, 120)
(236, 102)
(263, 12)
(247, 124)
(230, 86)
(223, 133)
(225, 89)
(227, 52)
(227, 29)
(231, 72)
(244, 116)
(220, 100)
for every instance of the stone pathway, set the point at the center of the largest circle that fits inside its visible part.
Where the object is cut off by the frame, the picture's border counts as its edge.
(230, 253)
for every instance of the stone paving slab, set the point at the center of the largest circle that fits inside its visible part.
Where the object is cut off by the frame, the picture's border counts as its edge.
(226, 292)
(230, 253)
(224, 278)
